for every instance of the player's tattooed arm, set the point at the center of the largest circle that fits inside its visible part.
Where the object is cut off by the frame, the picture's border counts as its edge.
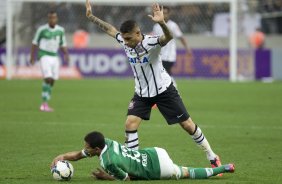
(106, 27)
(167, 36)
(158, 17)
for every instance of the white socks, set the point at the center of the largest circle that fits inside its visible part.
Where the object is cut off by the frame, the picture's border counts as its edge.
(132, 139)
(202, 142)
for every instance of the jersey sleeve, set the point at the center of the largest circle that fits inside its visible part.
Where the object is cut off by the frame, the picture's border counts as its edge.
(117, 172)
(36, 38)
(85, 153)
(153, 41)
(63, 42)
(177, 31)
(119, 38)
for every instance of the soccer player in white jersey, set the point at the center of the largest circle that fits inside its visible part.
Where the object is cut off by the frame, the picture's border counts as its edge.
(122, 163)
(49, 38)
(153, 85)
(168, 52)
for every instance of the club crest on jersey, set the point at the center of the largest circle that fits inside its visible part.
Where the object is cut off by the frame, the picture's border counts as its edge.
(131, 105)
(139, 49)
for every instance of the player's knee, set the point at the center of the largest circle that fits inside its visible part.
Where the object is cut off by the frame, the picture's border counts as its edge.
(177, 171)
(52, 82)
(132, 123)
(49, 81)
(188, 125)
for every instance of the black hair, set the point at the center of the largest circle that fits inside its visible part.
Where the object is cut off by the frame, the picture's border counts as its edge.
(95, 139)
(127, 26)
(167, 8)
(52, 12)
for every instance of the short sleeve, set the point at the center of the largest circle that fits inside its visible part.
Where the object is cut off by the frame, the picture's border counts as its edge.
(153, 41)
(85, 153)
(119, 38)
(117, 172)
(35, 40)
(177, 31)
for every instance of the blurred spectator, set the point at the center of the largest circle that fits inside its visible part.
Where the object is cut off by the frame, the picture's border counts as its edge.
(257, 39)
(80, 39)
(195, 18)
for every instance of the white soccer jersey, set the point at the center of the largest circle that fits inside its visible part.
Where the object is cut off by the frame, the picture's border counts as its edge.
(168, 52)
(150, 76)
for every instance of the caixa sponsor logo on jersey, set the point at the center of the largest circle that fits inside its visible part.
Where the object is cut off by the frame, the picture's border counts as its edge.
(99, 63)
(138, 60)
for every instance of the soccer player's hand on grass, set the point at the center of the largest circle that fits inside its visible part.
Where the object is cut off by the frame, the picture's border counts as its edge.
(158, 15)
(54, 162)
(88, 8)
(101, 175)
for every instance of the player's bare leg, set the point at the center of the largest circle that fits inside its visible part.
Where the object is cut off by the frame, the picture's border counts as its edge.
(46, 94)
(50, 81)
(198, 136)
(131, 135)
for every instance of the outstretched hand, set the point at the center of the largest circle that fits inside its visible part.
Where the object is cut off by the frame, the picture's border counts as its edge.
(106, 27)
(158, 15)
(88, 8)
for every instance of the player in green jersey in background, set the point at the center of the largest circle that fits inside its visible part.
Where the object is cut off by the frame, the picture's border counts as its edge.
(49, 38)
(122, 163)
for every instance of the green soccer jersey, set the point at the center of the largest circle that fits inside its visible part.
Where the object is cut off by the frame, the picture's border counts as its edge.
(120, 161)
(49, 40)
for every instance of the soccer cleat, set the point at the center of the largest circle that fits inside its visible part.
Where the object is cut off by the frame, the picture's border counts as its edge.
(42, 107)
(216, 163)
(45, 108)
(229, 168)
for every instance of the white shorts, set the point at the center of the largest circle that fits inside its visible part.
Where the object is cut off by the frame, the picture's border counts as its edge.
(50, 67)
(168, 169)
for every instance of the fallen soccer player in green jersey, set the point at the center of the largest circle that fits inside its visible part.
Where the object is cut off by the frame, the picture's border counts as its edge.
(122, 163)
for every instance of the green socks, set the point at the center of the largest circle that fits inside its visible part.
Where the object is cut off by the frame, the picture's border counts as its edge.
(203, 173)
(46, 92)
(198, 173)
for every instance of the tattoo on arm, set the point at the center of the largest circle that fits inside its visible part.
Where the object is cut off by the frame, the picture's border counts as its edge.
(167, 34)
(165, 29)
(102, 24)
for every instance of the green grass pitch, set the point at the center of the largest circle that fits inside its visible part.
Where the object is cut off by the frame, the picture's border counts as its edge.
(242, 122)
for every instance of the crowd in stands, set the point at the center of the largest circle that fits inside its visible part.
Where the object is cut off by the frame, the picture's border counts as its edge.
(192, 18)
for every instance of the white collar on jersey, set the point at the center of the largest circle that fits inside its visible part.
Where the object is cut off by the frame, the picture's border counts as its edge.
(103, 151)
(52, 28)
